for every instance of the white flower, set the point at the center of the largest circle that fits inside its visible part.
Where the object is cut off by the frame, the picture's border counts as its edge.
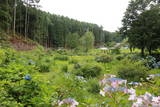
(110, 76)
(155, 105)
(132, 91)
(156, 99)
(132, 97)
(138, 103)
(70, 101)
(147, 96)
(139, 100)
(102, 93)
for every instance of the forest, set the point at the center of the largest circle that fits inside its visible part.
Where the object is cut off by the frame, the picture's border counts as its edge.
(49, 60)
(26, 19)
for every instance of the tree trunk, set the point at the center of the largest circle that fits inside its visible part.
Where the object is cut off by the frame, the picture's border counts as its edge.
(14, 22)
(26, 18)
(142, 51)
(150, 51)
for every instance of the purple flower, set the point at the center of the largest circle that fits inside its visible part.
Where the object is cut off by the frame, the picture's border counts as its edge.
(69, 101)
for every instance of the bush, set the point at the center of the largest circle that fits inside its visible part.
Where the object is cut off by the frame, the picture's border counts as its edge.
(115, 51)
(151, 62)
(73, 61)
(103, 59)
(132, 71)
(63, 58)
(93, 86)
(62, 51)
(120, 57)
(77, 66)
(64, 68)
(89, 71)
(44, 68)
(134, 57)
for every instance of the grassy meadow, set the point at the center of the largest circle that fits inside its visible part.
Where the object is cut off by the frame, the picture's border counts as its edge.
(46, 77)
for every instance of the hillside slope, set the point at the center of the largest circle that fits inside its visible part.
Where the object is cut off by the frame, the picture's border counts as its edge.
(16, 42)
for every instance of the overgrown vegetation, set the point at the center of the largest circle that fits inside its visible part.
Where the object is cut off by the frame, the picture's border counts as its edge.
(74, 73)
(28, 79)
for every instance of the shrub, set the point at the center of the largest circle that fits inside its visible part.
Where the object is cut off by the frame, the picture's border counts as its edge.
(151, 62)
(44, 68)
(73, 61)
(64, 68)
(93, 86)
(103, 59)
(63, 58)
(77, 66)
(120, 57)
(135, 57)
(132, 71)
(89, 71)
(62, 51)
(115, 51)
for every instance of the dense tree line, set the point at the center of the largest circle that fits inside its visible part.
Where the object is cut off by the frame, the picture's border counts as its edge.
(141, 24)
(25, 18)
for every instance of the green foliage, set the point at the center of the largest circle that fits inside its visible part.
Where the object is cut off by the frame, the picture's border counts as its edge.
(73, 61)
(61, 51)
(89, 71)
(40, 25)
(72, 41)
(104, 59)
(44, 68)
(137, 22)
(93, 86)
(21, 83)
(64, 68)
(68, 86)
(115, 51)
(5, 15)
(151, 62)
(132, 71)
(61, 57)
(77, 65)
(120, 57)
(15, 88)
(87, 41)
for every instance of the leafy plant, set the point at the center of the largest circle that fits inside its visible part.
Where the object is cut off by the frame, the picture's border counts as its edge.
(115, 51)
(151, 62)
(103, 59)
(64, 68)
(132, 71)
(89, 71)
(60, 57)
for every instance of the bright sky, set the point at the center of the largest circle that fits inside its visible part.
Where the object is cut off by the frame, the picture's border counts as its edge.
(107, 13)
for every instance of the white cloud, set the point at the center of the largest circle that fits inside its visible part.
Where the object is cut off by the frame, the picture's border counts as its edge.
(107, 13)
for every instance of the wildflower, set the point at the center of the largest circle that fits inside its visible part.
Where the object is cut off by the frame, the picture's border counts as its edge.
(109, 76)
(139, 103)
(156, 99)
(102, 93)
(135, 83)
(31, 62)
(69, 101)
(123, 89)
(132, 91)
(147, 96)
(27, 77)
(132, 97)
(114, 84)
